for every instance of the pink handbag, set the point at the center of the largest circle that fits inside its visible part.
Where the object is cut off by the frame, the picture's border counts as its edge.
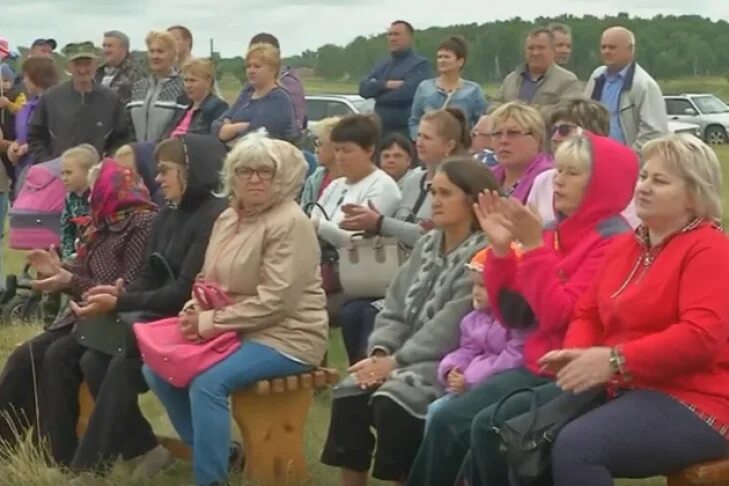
(172, 356)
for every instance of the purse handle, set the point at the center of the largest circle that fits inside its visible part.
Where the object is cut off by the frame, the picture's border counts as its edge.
(310, 206)
(533, 409)
(207, 293)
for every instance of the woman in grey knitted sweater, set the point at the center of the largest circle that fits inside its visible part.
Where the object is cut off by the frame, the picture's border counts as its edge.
(391, 389)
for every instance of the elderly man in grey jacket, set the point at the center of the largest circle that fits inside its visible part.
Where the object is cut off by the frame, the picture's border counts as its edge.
(631, 95)
(540, 81)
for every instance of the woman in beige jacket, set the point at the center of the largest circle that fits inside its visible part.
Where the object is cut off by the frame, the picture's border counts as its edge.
(264, 253)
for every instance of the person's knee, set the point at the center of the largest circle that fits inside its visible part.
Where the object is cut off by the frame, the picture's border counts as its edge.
(482, 434)
(574, 445)
(208, 386)
(20, 358)
(58, 354)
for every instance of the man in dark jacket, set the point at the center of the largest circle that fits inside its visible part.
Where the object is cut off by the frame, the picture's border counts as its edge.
(176, 253)
(393, 81)
(78, 111)
(120, 71)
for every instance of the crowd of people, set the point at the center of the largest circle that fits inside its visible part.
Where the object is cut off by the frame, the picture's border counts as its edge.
(558, 239)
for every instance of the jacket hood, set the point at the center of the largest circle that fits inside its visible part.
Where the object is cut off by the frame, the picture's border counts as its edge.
(291, 168)
(610, 189)
(205, 155)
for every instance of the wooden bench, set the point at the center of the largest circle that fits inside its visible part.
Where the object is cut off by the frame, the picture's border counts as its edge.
(715, 473)
(271, 415)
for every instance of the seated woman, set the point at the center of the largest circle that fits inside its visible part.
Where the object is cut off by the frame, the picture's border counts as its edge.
(392, 388)
(264, 253)
(518, 136)
(187, 170)
(328, 169)
(263, 104)
(111, 248)
(203, 106)
(448, 89)
(594, 182)
(443, 133)
(396, 157)
(654, 328)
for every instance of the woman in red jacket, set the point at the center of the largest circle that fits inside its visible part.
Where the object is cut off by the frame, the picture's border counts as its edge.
(594, 182)
(654, 328)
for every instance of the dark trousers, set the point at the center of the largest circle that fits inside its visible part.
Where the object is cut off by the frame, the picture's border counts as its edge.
(20, 385)
(350, 442)
(117, 426)
(357, 319)
(637, 435)
(447, 440)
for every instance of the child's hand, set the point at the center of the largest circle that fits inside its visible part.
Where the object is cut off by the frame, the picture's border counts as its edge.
(456, 381)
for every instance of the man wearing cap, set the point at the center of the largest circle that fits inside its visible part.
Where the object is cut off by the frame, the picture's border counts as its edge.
(77, 111)
(119, 71)
(43, 48)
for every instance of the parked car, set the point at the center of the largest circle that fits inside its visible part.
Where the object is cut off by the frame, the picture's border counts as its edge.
(705, 110)
(682, 127)
(321, 106)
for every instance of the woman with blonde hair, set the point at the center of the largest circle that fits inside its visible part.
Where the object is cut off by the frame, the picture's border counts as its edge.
(328, 169)
(154, 99)
(262, 104)
(203, 105)
(264, 253)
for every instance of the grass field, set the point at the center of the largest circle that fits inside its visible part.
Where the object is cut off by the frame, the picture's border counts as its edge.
(25, 469)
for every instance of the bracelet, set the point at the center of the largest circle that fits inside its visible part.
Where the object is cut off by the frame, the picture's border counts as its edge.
(378, 226)
(617, 363)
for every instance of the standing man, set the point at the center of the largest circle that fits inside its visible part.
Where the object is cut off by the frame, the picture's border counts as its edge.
(393, 81)
(562, 43)
(119, 71)
(631, 95)
(43, 48)
(77, 111)
(183, 43)
(540, 81)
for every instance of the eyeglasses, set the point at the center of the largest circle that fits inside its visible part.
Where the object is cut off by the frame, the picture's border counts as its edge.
(263, 173)
(564, 129)
(509, 134)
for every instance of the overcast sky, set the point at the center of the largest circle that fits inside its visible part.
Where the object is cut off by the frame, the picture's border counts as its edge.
(299, 24)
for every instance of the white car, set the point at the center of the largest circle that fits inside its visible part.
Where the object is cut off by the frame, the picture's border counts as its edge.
(684, 127)
(321, 106)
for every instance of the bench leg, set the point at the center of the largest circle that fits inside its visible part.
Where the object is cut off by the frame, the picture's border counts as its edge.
(86, 408)
(272, 426)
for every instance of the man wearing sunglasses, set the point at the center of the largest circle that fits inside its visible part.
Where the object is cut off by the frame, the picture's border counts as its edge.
(571, 118)
(631, 95)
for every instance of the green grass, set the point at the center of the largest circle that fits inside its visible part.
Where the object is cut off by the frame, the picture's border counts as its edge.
(24, 468)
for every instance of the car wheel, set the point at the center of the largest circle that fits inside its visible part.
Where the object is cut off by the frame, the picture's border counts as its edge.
(715, 135)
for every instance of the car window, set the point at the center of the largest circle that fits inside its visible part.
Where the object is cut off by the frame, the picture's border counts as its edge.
(316, 110)
(710, 104)
(677, 106)
(364, 106)
(338, 108)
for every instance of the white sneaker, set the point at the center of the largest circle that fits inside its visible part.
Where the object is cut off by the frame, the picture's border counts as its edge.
(152, 463)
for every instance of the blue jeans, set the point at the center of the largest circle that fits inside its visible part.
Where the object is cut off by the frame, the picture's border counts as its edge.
(357, 319)
(201, 412)
(437, 405)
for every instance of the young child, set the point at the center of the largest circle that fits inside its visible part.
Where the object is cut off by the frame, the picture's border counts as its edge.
(11, 98)
(75, 165)
(126, 157)
(486, 347)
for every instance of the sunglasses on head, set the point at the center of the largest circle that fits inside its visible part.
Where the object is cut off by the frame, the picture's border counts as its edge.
(564, 129)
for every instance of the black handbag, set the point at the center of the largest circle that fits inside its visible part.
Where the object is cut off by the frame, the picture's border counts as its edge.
(527, 440)
(112, 334)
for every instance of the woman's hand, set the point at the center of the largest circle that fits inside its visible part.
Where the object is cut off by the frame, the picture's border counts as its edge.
(456, 381)
(525, 224)
(360, 218)
(555, 360)
(231, 130)
(373, 371)
(46, 263)
(497, 228)
(586, 369)
(16, 151)
(190, 324)
(95, 305)
(55, 283)
(116, 290)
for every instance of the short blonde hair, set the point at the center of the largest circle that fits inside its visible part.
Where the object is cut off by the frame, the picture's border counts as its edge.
(575, 149)
(93, 174)
(85, 155)
(164, 38)
(200, 67)
(697, 164)
(527, 117)
(324, 127)
(267, 53)
(126, 157)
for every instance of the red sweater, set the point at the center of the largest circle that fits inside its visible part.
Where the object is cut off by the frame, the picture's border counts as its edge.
(670, 316)
(547, 282)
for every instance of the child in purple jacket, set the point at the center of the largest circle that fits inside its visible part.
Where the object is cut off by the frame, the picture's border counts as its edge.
(486, 347)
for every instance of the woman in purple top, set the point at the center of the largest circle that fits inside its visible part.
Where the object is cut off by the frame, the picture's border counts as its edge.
(519, 134)
(39, 74)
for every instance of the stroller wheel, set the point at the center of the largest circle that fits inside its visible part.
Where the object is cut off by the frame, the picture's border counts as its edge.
(21, 309)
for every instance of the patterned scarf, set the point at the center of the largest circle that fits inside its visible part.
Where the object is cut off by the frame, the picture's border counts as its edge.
(117, 194)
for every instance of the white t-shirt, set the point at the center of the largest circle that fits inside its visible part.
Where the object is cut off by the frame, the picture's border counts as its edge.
(378, 188)
(542, 197)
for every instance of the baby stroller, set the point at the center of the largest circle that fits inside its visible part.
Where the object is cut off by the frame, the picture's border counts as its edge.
(35, 223)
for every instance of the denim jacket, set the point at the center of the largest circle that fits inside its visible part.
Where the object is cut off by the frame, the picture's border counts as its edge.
(469, 97)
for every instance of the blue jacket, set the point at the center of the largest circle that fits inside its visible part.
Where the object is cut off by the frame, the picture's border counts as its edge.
(275, 112)
(393, 105)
